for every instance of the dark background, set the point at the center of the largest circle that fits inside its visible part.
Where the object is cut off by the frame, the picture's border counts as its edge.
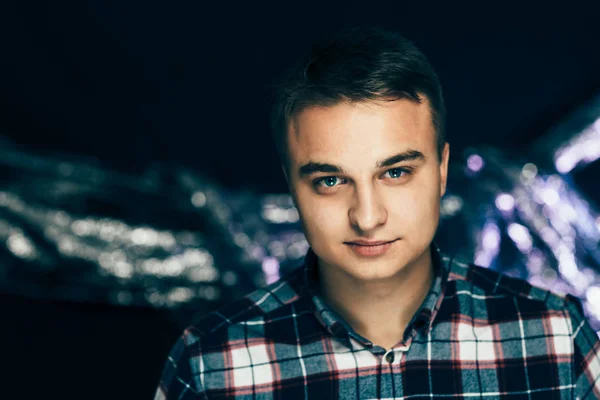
(135, 83)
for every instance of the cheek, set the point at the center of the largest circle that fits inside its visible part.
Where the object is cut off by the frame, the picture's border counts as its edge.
(320, 218)
(415, 209)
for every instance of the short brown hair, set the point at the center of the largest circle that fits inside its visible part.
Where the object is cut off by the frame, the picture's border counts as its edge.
(355, 65)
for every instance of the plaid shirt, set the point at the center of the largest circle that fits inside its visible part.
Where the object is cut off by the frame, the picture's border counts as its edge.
(478, 334)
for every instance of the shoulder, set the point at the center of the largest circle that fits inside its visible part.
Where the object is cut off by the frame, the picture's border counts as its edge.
(515, 309)
(268, 300)
(496, 288)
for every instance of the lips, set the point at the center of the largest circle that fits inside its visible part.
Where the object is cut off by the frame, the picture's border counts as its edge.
(369, 243)
(367, 248)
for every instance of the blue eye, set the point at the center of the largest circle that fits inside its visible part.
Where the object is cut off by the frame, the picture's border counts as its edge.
(396, 173)
(330, 181)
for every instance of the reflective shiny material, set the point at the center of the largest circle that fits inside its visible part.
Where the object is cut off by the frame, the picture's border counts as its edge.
(172, 238)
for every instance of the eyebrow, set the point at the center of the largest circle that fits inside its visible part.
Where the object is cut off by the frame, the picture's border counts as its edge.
(408, 155)
(314, 167)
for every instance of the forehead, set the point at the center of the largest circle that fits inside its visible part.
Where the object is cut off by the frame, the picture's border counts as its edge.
(361, 132)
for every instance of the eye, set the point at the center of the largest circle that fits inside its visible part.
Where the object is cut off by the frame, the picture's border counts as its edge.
(396, 173)
(328, 181)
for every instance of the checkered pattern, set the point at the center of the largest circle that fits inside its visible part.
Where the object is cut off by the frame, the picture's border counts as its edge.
(478, 334)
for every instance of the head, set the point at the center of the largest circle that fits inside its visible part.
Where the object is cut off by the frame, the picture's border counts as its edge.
(359, 129)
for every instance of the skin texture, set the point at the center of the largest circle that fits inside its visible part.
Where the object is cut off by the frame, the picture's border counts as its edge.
(362, 200)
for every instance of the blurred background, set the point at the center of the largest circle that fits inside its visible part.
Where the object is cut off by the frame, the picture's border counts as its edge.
(139, 186)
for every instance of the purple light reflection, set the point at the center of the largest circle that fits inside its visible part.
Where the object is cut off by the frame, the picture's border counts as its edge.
(475, 162)
(505, 202)
(270, 267)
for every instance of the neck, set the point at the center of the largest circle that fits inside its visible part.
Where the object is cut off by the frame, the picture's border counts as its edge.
(379, 311)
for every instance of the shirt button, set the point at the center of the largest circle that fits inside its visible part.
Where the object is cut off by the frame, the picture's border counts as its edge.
(390, 357)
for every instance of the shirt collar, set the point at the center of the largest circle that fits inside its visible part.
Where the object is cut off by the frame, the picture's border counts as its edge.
(339, 328)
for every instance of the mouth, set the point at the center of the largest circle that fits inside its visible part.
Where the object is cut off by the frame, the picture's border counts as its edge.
(367, 243)
(365, 248)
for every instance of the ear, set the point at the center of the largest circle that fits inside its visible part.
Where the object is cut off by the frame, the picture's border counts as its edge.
(289, 185)
(287, 181)
(285, 174)
(444, 169)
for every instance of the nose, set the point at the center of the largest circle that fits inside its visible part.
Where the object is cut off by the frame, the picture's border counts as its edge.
(367, 212)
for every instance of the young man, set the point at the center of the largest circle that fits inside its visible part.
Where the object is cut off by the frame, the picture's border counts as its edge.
(377, 311)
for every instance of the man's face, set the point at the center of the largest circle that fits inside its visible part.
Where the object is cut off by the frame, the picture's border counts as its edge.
(367, 172)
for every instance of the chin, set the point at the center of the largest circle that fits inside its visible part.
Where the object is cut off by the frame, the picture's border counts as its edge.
(376, 272)
(381, 267)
